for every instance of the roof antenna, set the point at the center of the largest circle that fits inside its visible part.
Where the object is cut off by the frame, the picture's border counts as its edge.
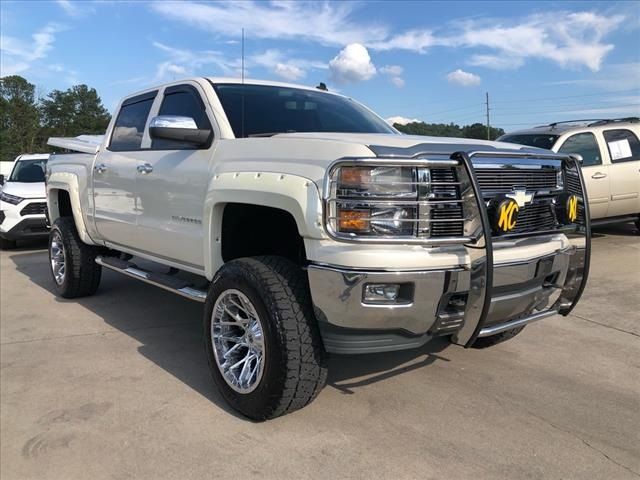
(242, 74)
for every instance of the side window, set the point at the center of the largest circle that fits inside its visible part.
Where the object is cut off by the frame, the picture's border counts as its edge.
(129, 127)
(623, 145)
(182, 101)
(584, 144)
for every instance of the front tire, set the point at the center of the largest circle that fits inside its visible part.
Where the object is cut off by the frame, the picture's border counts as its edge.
(73, 263)
(262, 340)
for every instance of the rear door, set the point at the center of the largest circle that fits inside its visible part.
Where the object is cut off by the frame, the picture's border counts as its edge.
(114, 175)
(174, 183)
(594, 169)
(624, 151)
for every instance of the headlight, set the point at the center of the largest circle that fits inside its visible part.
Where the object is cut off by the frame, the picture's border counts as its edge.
(12, 199)
(391, 202)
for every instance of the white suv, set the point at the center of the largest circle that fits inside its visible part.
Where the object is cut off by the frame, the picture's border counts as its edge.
(23, 201)
(611, 162)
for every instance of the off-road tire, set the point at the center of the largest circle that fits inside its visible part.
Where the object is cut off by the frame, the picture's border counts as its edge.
(7, 244)
(485, 342)
(295, 367)
(82, 273)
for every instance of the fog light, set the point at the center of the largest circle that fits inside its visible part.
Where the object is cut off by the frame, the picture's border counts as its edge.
(381, 292)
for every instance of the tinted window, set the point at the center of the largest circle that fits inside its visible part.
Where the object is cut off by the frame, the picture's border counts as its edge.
(270, 109)
(531, 140)
(182, 103)
(623, 145)
(584, 144)
(28, 171)
(129, 127)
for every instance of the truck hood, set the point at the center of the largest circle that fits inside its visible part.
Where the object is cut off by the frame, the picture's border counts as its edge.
(309, 154)
(25, 190)
(404, 141)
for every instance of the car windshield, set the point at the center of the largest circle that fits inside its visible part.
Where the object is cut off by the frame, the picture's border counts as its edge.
(532, 140)
(269, 110)
(28, 171)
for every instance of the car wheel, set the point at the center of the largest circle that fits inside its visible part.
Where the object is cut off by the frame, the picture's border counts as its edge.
(262, 340)
(7, 244)
(73, 263)
(484, 342)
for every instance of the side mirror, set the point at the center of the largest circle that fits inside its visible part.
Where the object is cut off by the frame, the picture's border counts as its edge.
(178, 129)
(1, 179)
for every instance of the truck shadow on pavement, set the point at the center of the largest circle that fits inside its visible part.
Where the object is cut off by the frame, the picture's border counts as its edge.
(169, 330)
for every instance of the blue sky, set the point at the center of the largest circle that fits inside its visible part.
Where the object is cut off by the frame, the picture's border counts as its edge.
(432, 61)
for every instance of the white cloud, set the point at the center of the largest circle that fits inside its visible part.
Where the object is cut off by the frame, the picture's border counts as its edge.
(352, 64)
(618, 76)
(182, 62)
(413, 40)
(289, 72)
(75, 8)
(401, 120)
(325, 23)
(496, 62)
(18, 55)
(394, 72)
(465, 79)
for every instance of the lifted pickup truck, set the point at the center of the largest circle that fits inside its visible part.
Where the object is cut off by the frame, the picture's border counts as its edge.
(311, 226)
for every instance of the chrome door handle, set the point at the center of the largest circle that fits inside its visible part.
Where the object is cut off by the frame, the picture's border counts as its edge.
(100, 168)
(145, 168)
(598, 175)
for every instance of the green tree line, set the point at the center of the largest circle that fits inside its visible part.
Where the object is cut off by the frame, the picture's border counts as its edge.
(26, 122)
(476, 130)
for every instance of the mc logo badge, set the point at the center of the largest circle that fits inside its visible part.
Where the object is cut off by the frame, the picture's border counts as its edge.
(505, 215)
(572, 208)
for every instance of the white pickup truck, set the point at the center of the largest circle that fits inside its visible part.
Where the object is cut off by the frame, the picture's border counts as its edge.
(312, 226)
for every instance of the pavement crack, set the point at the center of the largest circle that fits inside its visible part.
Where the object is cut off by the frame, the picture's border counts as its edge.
(604, 325)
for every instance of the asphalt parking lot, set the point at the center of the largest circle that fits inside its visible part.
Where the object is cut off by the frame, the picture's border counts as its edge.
(116, 386)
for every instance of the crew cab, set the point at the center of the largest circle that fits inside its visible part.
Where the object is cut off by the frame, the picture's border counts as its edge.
(307, 226)
(610, 153)
(23, 201)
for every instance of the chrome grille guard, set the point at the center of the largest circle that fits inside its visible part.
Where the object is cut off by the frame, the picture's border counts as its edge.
(477, 239)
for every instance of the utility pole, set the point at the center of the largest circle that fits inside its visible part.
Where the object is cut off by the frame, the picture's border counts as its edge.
(488, 124)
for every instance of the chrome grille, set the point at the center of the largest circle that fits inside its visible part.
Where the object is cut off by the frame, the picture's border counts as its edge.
(572, 186)
(445, 185)
(536, 217)
(35, 208)
(501, 180)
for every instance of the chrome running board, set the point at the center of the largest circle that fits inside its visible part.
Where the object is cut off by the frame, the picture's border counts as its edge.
(166, 282)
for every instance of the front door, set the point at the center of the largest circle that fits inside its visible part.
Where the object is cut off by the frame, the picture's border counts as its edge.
(172, 183)
(114, 175)
(594, 170)
(624, 171)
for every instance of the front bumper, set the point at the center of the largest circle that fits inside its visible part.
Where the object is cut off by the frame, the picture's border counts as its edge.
(21, 222)
(495, 287)
(27, 229)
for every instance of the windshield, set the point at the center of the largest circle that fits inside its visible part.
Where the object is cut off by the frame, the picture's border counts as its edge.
(28, 171)
(531, 139)
(270, 109)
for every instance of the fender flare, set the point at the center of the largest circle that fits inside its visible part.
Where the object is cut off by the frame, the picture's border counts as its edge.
(294, 194)
(70, 183)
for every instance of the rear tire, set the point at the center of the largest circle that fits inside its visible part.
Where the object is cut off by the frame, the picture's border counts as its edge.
(7, 244)
(72, 263)
(485, 342)
(274, 291)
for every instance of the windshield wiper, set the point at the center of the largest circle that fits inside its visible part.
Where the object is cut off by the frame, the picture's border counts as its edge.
(268, 134)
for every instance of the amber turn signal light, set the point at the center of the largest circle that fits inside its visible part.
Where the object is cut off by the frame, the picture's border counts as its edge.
(354, 176)
(353, 221)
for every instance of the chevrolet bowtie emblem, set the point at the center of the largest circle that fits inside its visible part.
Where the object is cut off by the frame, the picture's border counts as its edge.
(521, 196)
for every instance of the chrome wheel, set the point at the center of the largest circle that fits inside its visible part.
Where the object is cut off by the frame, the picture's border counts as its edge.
(57, 257)
(237, 339)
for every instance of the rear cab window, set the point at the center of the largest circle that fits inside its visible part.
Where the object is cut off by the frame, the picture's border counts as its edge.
(132, 119)
(623, 145)
(545, 141)
(584, 144)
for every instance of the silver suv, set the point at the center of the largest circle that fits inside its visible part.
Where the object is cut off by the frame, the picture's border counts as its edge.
(611, 161)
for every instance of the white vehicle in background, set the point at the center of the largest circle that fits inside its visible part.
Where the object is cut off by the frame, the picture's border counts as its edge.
(610, 152)
(23, 201)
